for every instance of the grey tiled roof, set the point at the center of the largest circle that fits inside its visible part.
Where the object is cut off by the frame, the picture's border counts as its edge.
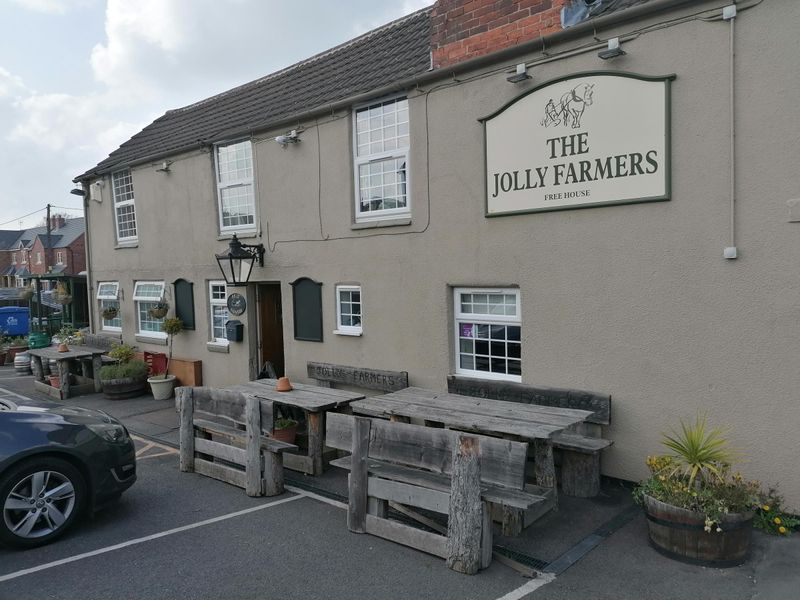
(386, 56)
(389, 54)
(59, 238)
(7, 238)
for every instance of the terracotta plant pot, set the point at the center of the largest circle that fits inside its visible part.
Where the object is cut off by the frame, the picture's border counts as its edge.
(283, 385)
(287, 434)
(55, 381)
(62, 347)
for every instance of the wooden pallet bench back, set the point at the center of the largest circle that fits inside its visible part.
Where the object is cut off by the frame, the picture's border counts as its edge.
(371, 379)
(222, 436)
(598, 404)
(502, 461)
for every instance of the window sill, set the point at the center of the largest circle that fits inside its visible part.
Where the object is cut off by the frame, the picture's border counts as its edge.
(123, 245)
(488, 376)
(147, 339)
(243, 234)
(345, 332)
(111, 330)
(217, 347)
(398, 222)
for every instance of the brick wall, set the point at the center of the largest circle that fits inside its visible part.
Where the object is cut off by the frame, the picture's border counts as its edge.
(464, 29)
(75, 256)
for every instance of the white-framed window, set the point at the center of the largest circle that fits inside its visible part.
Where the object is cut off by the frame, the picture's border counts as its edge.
(488, 327)
(24, 258)
(38, 258)
(235, 189)
(124, 207)
(13, 258)
(60, 257)
(381, 147)
(348, 310)
(217, 301)
(146, 295)
(108, 298)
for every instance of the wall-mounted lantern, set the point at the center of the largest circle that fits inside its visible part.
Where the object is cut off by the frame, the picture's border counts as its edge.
(237, 263)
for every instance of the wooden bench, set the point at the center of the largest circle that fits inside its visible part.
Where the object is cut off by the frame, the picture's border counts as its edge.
(371, 379)
(579, 448)
(438, 470)
(222, 436)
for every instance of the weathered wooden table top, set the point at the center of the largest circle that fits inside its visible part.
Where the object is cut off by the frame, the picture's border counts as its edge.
(73, 352)
(494, 417)
(307, 397)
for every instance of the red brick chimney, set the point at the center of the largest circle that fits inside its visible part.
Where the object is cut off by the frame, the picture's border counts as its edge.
(56, 222)
(464, 29)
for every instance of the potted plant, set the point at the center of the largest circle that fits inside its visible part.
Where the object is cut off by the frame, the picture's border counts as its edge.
(65, 336)
(110, 312)
(61, 295)
(26, 293)
(285, 430)
(163, 384)
(158, 310)
(697, 509)
(127, 377)
(14, 345)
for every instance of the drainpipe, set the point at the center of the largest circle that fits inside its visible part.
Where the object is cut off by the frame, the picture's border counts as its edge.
(729, 14)
(87, 249)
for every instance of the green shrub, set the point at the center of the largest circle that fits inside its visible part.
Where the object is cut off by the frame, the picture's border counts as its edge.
(284, 423)
(134, 369)
(122, 352)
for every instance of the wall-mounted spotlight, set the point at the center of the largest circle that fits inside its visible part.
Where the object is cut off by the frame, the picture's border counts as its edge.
(520, 75)
(613, 50)
(164, 168)
(99, 183)
(290, 138)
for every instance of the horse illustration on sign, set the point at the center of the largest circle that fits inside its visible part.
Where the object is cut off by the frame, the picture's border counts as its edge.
(570, 107)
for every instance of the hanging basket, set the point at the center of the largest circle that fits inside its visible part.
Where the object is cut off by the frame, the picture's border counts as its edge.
(159, 311)
(63, 299)
(26, 293)
(110, 313)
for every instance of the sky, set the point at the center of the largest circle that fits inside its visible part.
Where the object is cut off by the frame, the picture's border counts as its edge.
(80, 77)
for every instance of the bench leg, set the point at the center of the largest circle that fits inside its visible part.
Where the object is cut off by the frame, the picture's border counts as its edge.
(273, 473)
(580, 474)
(466, 518)
(486, 536)
(377, 507)
(544, 466)
(316, 426)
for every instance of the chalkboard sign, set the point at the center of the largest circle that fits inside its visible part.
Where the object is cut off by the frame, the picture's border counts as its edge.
(307, 302)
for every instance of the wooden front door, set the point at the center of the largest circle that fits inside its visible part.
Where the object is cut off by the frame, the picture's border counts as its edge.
(270, 319)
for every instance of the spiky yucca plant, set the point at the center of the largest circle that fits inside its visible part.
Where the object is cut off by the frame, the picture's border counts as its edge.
(702, 454)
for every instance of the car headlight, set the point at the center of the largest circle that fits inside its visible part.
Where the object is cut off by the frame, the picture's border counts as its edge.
(111, 432)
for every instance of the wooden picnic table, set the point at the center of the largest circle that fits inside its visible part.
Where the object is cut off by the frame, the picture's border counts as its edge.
(314, 401)
(83, 353)
(524, 422)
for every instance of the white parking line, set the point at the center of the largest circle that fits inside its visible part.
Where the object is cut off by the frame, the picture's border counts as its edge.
(533, 584)
(148, 538)
(10, 393)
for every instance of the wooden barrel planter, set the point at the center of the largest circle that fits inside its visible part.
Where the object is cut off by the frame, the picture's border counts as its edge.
(126, 387)
(680, 534)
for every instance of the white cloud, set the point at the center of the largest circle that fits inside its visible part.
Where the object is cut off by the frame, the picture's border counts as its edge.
(53, 7)
(10, 85)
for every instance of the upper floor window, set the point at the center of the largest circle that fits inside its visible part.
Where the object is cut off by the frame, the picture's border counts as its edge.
(235, 192)
(124, 209)
(14, 258)
(488, 331)
(381, 160)
(60, 257)
(38, 258)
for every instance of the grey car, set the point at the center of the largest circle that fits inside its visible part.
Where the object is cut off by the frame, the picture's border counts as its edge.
(57, 463)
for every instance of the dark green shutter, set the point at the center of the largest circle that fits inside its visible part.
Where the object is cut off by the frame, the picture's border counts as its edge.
(184, 302)
(307, 303)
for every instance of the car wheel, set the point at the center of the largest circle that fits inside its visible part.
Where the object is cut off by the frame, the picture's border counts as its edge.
(40, 499)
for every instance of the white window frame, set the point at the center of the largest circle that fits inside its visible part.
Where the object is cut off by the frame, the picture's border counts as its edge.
(398, 153)
(60, 257)
(212, 302)
(13, 258)
(484, 319)
(118, 204)
(348, 329)
(251, 181)
(38, 258)
(107, 294)
(138, 299)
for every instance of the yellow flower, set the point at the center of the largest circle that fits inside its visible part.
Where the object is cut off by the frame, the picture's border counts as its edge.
(781, 529)
(777, 520)
(765, 508)
(662, 478)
